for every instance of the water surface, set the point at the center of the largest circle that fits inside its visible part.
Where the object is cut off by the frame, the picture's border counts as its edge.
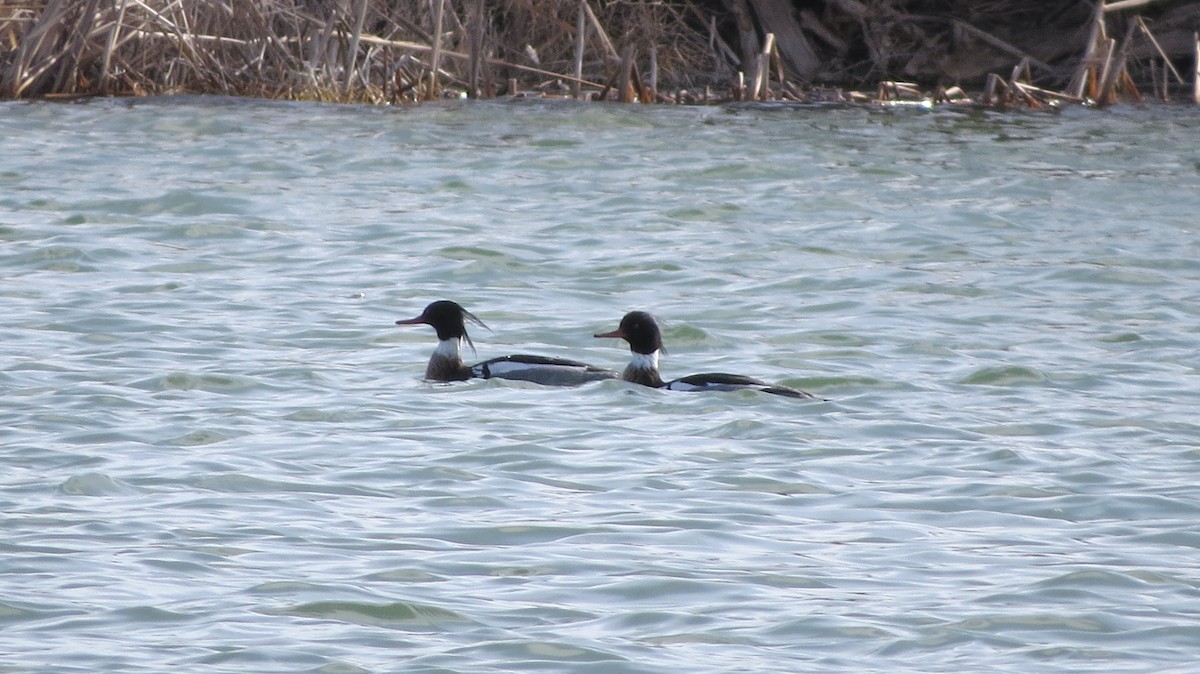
(218, 454)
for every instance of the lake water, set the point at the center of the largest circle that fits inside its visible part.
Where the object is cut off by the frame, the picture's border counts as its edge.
(218, 455)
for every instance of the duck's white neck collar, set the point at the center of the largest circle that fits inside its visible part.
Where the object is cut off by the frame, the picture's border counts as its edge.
(446, 362)
(449, 349)
(645, 361)
(643, 369)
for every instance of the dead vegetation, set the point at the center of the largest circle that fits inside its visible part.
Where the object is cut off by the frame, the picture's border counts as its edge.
(1010, 53)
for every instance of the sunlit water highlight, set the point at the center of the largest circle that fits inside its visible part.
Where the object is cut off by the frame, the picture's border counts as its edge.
(218, 455)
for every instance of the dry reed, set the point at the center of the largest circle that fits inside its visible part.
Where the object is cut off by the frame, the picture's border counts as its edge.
(390, 51)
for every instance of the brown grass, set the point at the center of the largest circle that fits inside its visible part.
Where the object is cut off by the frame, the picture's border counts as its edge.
(347, 50)
(386, 51)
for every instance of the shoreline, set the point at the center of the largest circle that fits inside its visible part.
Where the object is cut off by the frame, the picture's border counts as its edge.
(692, 53)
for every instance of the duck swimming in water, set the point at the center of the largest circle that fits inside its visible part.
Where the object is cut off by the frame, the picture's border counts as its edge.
(446, 364)
(645, 342)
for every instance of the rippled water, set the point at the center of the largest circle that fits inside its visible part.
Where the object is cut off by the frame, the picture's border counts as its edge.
(218, 454)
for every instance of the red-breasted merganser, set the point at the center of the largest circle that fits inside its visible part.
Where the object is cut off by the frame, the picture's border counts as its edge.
(446, 363)
(645, 342)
